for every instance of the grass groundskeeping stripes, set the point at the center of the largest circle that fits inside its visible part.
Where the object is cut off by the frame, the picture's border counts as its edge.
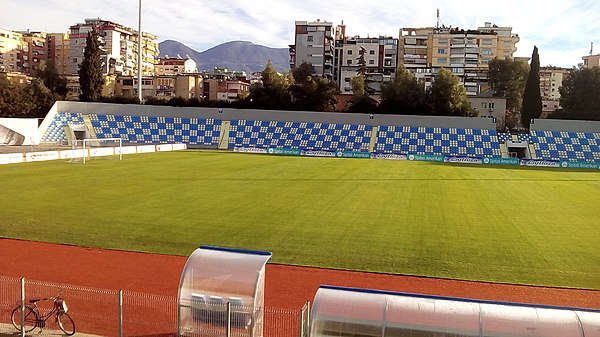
(500, 224)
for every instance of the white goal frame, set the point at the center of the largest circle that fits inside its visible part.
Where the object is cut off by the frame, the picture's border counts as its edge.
(86, 152)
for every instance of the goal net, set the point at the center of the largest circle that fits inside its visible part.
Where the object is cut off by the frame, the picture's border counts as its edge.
(102, 148)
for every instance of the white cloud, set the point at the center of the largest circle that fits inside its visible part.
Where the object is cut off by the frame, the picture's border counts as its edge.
(562, 30)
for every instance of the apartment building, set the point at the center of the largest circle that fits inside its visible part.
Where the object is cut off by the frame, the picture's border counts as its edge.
(175, 66)
(591, 61)
(180, 85)
(424, 51)
(551, 79)
(314, 44)
(380, 55)
(12, 50)
(58, 51)
(119, 45)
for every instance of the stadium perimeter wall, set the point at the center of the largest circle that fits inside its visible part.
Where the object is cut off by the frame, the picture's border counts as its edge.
(272, 115)
(565, 125)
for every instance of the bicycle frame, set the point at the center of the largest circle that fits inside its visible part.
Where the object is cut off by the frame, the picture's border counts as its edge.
(37, 318)
(58, 306)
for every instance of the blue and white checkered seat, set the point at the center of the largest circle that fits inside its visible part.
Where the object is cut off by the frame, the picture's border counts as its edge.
(299, 135)
(157, 129)
(55, 132)
(437, 141)
(563, 145)
(503, 137)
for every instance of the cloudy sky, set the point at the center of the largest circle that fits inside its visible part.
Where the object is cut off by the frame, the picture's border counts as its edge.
(562, 30)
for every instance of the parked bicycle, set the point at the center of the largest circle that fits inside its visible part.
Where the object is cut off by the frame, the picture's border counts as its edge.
(33, 318)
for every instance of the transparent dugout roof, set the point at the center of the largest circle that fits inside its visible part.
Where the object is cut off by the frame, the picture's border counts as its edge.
(339, 311)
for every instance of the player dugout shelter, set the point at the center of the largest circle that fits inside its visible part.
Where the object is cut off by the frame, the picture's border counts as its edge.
(353, 312)
(222, 290)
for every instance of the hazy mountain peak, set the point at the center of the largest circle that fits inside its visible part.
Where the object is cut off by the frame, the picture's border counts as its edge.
(234, 55)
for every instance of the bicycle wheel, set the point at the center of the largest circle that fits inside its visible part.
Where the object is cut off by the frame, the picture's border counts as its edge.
(31, 318)
(66, 324)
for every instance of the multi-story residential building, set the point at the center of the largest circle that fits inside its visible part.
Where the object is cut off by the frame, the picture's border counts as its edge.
(551, 79)
(221, 88)
(12, 51)
(58, 51)
(119, 47)
(180, 85)
(380, 55)
(175, 66)
(314, 44)
(424, 51)
(591, 61)
(37, 52)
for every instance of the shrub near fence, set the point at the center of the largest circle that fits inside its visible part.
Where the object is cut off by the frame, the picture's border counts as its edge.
(97, 311)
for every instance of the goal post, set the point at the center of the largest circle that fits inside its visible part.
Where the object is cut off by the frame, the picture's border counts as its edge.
(97, 147)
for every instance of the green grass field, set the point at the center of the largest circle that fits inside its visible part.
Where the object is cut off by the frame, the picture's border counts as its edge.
(500, 224)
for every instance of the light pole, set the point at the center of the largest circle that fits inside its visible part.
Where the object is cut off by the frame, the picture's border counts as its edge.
(139, 84)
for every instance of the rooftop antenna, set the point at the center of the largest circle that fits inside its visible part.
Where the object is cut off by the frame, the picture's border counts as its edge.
(438, 20)
(591, 48)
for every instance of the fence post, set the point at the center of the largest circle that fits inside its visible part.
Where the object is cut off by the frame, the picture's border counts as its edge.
(23, 307)
(121, 313)
(304, 324)
(228, 326)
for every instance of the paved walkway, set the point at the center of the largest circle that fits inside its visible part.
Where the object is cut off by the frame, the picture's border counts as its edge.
(7, 330)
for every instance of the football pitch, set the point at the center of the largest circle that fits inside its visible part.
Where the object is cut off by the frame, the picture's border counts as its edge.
(471, 222)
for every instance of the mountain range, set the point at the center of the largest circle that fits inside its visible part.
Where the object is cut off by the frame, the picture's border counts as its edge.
(235, 56)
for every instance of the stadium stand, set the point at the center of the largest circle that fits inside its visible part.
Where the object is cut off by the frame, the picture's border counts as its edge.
(438, 141)
(566, 145)
(503, 137)
(300, 135)
(56, 131)
(157, 129)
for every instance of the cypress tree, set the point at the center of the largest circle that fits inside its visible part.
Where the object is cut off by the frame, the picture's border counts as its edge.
(532, 99)
(91, 79)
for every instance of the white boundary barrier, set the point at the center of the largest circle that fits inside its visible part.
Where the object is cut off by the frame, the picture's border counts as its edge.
(28, 157)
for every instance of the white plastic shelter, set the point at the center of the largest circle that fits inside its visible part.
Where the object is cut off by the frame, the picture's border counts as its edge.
(341, 311)
(212, 278)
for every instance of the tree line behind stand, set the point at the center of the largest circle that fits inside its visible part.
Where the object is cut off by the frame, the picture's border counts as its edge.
(300, 89)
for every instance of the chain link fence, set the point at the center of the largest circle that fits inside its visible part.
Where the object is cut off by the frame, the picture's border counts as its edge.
(102, 312)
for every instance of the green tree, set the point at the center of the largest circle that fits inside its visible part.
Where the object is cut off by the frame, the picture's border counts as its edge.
(404, 95)
(448, 97)
(272, 91)
(52, 80)
(532, 98)
(40, 97)
(580, 95)
(91, 79)
(507, 78)
(311, 92)
(363, 71)
(360, 102)
(15, 100)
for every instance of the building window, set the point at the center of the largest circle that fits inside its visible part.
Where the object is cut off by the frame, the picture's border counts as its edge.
(486, 42)
(442, 60)
(443, 41)
(349, 62)
(387, 63)
(486, 52)
(371, 61)
(371, 52)
(349, 51)
(309, 38)
(441, 50)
